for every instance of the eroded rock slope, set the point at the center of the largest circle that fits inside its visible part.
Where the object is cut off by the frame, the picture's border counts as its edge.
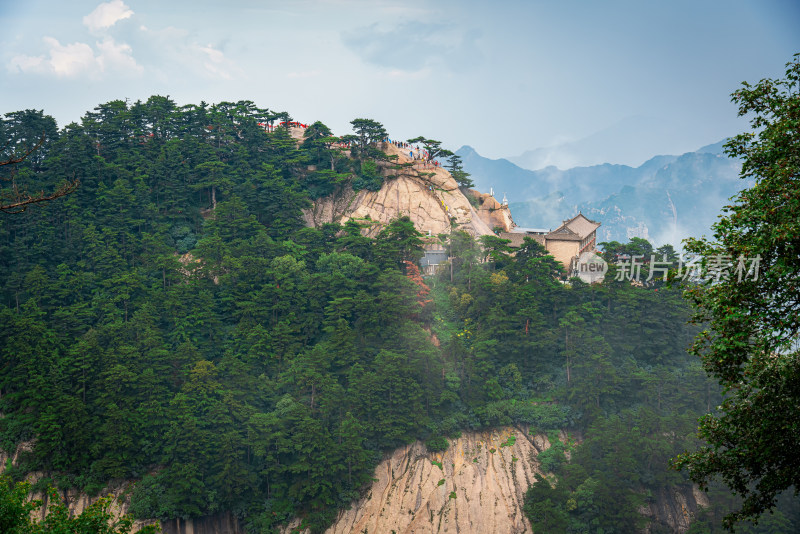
(428, 195)
(476, 486)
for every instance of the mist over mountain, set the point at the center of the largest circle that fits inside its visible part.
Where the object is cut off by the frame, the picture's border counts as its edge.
(626, 142)
(665, 200)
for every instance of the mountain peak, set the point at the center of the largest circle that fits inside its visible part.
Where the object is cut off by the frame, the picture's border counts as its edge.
(714, 148)
(466, 150)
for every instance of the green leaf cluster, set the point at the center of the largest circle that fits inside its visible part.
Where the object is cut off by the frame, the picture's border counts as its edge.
(752, 443)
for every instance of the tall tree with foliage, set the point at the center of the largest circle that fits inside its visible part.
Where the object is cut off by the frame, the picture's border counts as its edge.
(367, 134)
(364, 149)
(753, 442)
(456, 167)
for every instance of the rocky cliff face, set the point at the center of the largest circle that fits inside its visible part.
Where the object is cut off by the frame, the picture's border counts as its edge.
(674, 508)
(428, 195)
(492, 212)
(477, 485)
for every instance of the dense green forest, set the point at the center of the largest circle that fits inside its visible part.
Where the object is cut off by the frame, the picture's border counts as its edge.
(173, 320)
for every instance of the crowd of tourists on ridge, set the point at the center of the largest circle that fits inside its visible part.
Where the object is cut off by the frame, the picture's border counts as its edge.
(414, 153)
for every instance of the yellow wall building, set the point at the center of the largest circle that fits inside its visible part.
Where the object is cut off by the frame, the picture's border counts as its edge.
(565, 243)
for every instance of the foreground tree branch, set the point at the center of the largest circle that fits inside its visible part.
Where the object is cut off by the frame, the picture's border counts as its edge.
(19, 199)
(19, 159)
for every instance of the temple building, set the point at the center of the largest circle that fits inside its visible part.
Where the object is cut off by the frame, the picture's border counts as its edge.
(565, 243)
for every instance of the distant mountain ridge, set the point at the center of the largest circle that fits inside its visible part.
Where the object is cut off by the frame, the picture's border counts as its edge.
(666, 199)
(624, 142)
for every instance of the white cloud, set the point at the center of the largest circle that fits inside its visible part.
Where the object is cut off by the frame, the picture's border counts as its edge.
(78, 59)
(117, 57)
(70, 60)
(106, 15)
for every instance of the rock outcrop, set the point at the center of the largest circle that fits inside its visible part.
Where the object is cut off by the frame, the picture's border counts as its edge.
(675, 508)
(118, 492)
(75, 500)
(492, 212)
(477, 485)
(428, 195)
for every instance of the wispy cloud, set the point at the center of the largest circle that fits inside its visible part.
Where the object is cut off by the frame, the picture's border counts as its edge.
(215, 62)
(413, 46)
(178, 51)
(106, 15)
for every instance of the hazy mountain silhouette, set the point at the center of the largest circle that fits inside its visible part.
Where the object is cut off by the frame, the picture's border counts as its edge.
(665, 199)
(621, 143)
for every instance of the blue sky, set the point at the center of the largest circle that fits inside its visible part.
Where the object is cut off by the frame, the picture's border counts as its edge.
(502, 77)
